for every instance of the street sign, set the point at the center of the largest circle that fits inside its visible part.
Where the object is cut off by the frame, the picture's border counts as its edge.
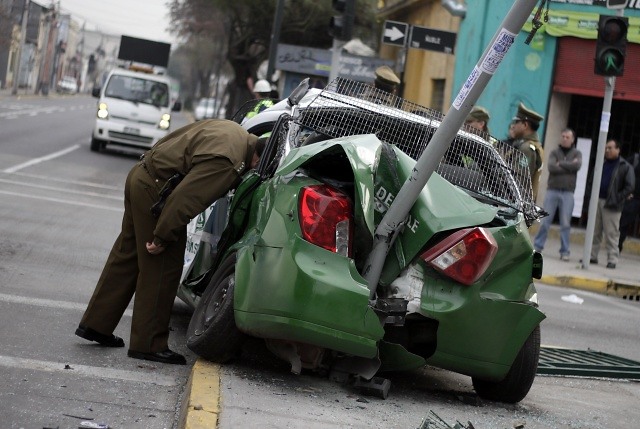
(395, 33)
(432, 40)
(617, 4)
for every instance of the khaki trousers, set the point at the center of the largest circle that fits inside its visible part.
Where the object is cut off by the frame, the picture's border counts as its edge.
(607, 225)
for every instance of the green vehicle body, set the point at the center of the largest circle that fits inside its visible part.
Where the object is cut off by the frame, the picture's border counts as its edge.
(291, 290)
(292, 255)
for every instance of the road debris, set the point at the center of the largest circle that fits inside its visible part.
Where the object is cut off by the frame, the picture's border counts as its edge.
(92, 425)
(573, 298)
(433, 421)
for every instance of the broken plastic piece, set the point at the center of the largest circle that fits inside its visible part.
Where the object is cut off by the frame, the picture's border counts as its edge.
(93, 425)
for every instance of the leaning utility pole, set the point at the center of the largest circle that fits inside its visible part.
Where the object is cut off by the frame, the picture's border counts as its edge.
(23, 36)
(390, 225)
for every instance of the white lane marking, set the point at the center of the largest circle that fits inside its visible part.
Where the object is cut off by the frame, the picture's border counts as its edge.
(58, 200)
(73, 182)
(49, 303)
(92, 371)
(41, 159)
(69, 191)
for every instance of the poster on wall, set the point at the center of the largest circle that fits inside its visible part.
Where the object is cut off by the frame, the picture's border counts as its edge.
(584, 146)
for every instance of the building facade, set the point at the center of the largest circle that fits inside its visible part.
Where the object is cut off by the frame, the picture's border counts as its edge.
(554, 75)
(426, 75)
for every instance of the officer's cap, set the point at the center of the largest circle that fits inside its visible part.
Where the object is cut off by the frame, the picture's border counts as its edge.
(385, 75)
(478, 113)
(525, 114)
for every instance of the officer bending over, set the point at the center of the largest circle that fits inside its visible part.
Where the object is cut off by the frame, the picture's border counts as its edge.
(204, 160)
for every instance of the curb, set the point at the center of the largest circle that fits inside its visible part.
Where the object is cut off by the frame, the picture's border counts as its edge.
(631, 244)
(630, 291)
(201, 403)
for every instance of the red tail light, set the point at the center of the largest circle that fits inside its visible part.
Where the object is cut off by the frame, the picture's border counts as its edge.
(464, 256)
(325, 218)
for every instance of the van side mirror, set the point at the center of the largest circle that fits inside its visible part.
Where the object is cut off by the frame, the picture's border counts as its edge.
(95, 92)
(177, 106)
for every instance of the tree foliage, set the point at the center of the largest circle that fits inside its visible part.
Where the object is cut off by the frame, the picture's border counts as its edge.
(240, 31)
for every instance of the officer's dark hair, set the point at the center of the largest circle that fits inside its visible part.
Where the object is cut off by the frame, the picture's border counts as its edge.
(533, 125)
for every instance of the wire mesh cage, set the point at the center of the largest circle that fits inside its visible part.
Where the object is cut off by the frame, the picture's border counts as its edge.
(474, 161)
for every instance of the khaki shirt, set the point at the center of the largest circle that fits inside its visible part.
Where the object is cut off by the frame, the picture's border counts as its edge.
(195, 151)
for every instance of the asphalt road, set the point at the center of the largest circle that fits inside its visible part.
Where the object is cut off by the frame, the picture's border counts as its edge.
(60, 210)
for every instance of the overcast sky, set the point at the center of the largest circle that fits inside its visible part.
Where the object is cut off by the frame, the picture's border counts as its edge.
(146, 19)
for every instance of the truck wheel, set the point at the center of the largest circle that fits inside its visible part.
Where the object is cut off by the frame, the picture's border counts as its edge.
(212, 331)
(519, 379)
(96, 145)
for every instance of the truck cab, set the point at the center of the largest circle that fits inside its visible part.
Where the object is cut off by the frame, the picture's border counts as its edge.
(134, 109)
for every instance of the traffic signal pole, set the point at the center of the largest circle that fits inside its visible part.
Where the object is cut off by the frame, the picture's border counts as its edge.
(605, 118)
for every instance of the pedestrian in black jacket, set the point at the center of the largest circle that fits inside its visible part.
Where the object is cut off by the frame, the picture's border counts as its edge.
(632, 205)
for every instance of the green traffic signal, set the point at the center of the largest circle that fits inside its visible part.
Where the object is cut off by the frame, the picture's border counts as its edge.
(611, 45)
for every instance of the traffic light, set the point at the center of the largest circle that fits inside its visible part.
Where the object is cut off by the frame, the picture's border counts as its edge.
(341, 25)
(611, 45)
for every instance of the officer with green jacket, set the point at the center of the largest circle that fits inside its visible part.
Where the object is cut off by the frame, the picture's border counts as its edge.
(525, 132)
(188, 169)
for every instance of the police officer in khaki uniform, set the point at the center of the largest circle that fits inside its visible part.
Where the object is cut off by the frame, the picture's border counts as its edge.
(478, 119)
(525, 132)
(386, 82)
(147, 258)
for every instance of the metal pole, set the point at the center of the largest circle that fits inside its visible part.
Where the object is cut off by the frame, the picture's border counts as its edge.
(389, 227)
(275, 38)
(610, 84)
(23, 36)
(336, 50)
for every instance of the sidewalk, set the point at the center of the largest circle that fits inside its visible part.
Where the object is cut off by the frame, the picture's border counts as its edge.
(5, 94)
(623, 281)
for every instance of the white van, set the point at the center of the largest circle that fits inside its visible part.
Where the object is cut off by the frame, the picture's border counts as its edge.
(134, 110)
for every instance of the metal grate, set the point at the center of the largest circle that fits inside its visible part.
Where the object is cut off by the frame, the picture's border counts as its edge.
(478, 163)
(586, 363)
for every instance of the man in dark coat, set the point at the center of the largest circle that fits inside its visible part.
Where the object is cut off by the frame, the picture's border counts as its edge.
(204, 160)
(616, 185)
(632, 205)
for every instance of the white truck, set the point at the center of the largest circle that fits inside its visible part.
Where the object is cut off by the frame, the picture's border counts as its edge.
(134, 110)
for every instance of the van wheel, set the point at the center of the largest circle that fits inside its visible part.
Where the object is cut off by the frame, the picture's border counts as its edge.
(212, 331)
(519, 379)
(97, 145)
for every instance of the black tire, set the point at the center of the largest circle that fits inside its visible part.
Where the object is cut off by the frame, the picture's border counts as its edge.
(97, 145)
(212, 331)
(519, 379)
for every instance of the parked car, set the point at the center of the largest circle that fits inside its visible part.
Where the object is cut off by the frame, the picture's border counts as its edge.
(67, 85)
(285, 257)
(208, 108)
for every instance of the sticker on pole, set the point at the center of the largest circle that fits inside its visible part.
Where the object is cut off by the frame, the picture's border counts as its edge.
(466, 88)
(604, 121)
(497, 52)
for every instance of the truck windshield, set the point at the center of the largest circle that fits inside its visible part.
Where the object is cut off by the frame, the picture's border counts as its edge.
(138, 90)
